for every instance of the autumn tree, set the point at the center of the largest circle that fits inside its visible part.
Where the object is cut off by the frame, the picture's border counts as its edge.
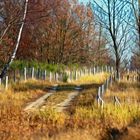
(112, 16)
(9, 24)
(13, 55)
(54, 37)
(135, 6)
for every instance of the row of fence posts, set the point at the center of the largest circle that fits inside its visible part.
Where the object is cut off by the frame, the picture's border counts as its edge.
(72, 75)
(75, 75)
(132, 75)
(103, 88)
(135, 76)
(101, 91)
(6, 82)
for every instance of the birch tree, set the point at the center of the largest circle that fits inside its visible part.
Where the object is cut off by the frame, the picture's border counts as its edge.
(10, 16)
(6, 67)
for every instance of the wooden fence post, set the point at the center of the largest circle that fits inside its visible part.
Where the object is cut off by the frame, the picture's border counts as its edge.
(25, 74)
(102, 69)
(102, 89)
(45, 75)
(116, 101)
(99, 95)
(57, 77)
(70, 76)
(33, 72)
(112, 69)
(50, 76)
(106, 69)
(135, 78)
(6, 84)
(90, 71)
(107, 83)
(111, 80)
(0, 81)
(94, 70)
(99, 99)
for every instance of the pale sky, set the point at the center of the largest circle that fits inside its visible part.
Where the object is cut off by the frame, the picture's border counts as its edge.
(84, 1)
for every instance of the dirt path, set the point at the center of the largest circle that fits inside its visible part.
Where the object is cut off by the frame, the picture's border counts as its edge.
(63, 105)
(58, 107)
(39, 102)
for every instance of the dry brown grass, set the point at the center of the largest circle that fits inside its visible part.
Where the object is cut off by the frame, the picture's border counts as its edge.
(93, 78)
(84, 121)
(127, 92)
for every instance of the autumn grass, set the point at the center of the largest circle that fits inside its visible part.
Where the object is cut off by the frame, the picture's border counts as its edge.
(121, 115)
(17, 124)
(23, 92)
(83, 119)
(112, 116)
(30, 85)
(128, 111)
(32, 89)
(129, 77)
(127, 92)
(96, 78)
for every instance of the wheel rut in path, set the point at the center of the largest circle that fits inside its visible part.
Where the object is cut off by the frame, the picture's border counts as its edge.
(39, 102)
(65, 104)
(59, 107)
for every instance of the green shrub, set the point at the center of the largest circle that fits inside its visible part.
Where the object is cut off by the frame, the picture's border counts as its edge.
(20, 64)
(65, 77)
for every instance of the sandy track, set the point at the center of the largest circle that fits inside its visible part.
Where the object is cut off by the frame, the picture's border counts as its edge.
(63, 105)
(39, 102)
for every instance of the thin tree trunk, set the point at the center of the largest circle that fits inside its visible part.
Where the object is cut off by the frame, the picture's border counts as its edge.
(6, 67)
(100, 33)
(139, 23)
(117, 67)
(4, 32)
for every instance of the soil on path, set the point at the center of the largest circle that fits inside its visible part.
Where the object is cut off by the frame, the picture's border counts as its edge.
(65, 104)
(39, 102)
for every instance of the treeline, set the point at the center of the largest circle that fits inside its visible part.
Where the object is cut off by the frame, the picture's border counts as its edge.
(21, 64)
(55, 32)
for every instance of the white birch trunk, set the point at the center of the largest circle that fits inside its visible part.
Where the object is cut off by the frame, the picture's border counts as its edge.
(6, 67)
